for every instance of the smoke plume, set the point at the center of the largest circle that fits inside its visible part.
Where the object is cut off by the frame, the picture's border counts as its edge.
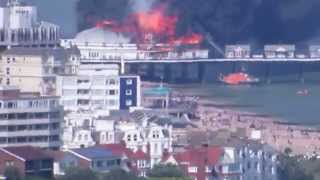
(226, 21)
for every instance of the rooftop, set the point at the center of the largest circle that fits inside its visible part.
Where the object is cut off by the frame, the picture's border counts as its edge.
(28, 152)
(93, 152)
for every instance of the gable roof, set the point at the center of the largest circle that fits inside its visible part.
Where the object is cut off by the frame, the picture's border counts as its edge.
(200, 156)
(25, 153)
(121, 149)
(91, 153)
(140, 155)
(117, 149)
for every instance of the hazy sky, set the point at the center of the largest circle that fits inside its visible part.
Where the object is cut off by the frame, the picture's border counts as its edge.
(61, 12)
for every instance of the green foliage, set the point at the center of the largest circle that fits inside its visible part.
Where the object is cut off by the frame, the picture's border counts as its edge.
(12, 173)
(75, 173)
(287, 151)
(119, 174)
(166, 172)
(290, 168)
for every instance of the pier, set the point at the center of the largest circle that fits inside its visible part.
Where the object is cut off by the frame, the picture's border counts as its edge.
(202, 70)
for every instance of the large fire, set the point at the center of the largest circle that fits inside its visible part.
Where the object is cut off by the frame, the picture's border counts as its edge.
(153, 25)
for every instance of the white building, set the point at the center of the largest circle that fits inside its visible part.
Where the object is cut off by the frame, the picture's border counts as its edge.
(88, 128)
(99, 87)
(149, 137)
(252, 161)
(29, 119)
(98, 45)
(19, 26)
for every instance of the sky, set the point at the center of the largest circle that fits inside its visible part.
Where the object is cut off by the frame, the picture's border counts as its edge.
(61, 12)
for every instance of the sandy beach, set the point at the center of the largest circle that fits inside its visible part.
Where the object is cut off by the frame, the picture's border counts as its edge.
(273, 131)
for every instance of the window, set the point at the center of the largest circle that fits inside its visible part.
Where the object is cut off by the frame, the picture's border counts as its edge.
(128, 103)
(8, 81)
(8, 71)
(8, 60)
(129, 81)
(135, 137)
(112, 102)
(128, 92)
(112, 81)
(9, 163)
(99, 163)
(112, 92)
(192, 169)
(129, 137)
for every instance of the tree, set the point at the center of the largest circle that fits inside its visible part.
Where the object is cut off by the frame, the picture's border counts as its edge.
(120, 174)
(166, 172)
(12, 173)
(76, 173)
(290, 168)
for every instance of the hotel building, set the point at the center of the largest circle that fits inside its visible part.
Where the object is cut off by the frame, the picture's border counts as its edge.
(35, 69)
(29, 119)
(99, 87)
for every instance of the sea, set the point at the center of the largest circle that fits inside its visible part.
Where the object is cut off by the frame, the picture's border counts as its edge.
(279, 100)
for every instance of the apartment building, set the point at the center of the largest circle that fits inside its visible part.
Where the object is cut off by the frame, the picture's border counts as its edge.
(29, 119)
(35, 69)
(99, 87)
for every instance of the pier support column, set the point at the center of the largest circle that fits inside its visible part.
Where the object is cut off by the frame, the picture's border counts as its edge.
(301, 72)
(167, 73)
(185, 76)
(133, 68)
(234, 67)
(201, 72)
(151, 71)
(268, 73)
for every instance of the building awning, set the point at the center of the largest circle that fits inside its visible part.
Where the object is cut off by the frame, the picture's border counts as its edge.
(158, 91)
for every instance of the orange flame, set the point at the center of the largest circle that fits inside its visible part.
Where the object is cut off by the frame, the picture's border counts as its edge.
(155, 22)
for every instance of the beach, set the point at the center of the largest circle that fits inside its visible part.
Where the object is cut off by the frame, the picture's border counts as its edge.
(279, 133)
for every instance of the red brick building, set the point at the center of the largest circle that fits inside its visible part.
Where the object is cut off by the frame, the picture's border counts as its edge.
(29, 161)
(138, 162)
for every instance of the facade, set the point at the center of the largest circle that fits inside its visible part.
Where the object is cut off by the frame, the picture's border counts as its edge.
(137, 162)
(96, 158)
(29, 119)
(252, 161)
(35, 69)
(29, 161)
(130, 94)
(98, 45)
(237, 51)
(88, 128)
(99, 87)
(279, 51)
(148, 137)
(314, 51)
(199, 163)
(19, 26)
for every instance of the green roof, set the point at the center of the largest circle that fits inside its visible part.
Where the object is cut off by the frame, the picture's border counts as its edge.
(158, 91)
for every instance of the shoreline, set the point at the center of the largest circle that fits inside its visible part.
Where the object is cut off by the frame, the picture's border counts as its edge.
(277, 132)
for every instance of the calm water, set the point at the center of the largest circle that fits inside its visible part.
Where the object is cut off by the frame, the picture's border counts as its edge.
(278, 100)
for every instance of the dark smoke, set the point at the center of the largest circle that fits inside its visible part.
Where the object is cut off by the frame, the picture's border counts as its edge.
(227, 21)
(91, 11)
